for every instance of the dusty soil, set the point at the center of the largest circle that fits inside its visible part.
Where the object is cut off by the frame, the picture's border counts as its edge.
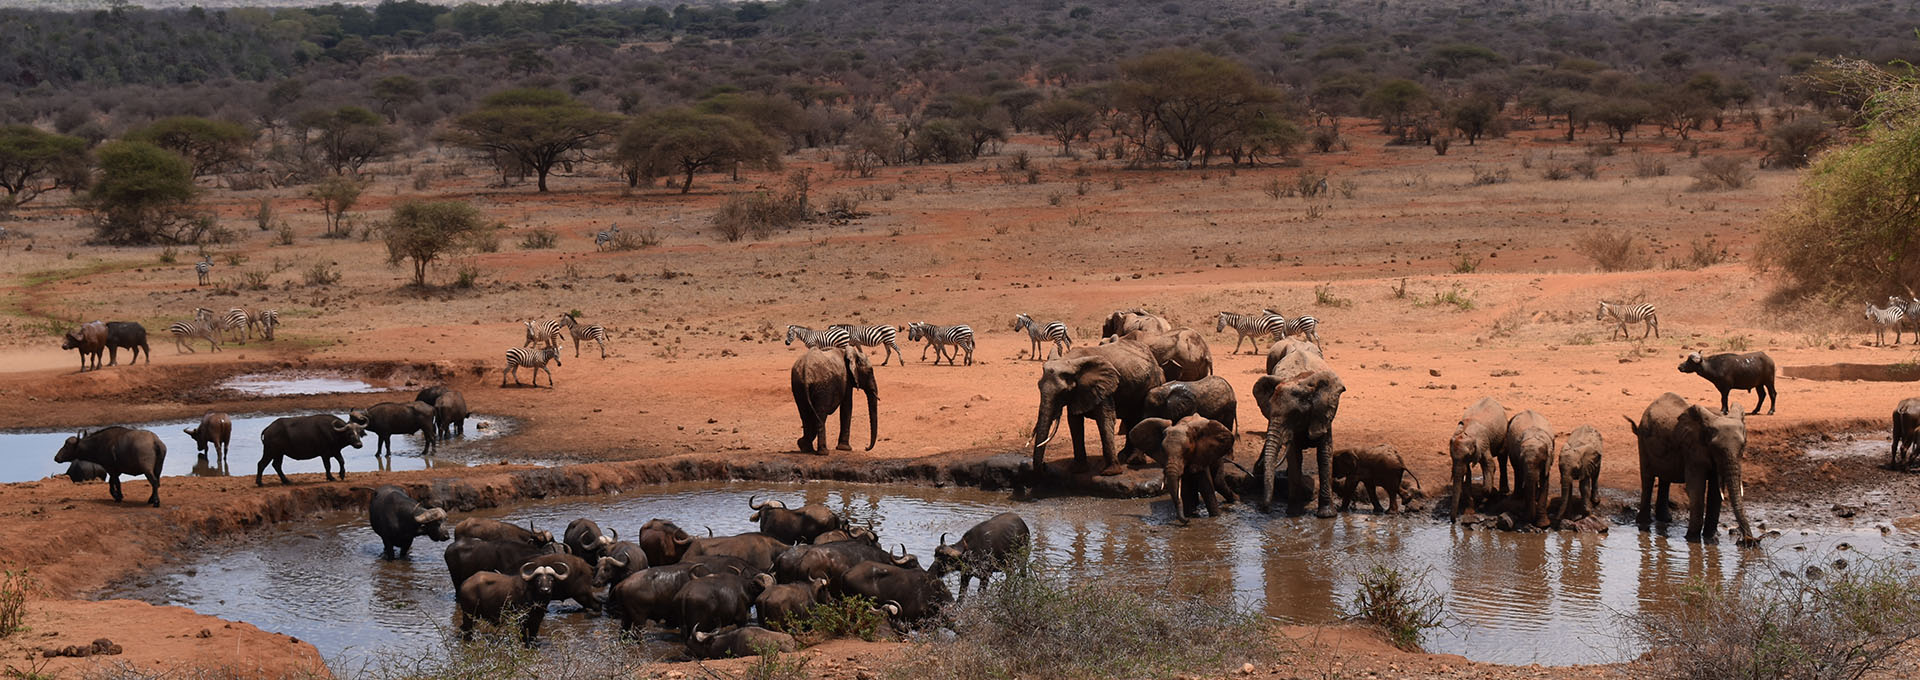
(696, 368)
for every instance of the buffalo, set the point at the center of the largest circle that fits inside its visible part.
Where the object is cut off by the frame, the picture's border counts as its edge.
(908, 595)
(215, 429)
(740, 642)
(397, 518)
(663, 541)
(128, 335)
(986, 548)
(849, 534)
(91, 339)
(648, 594)
(386, 419)
(496, 530)
(83, 471)
(756, 548)
(793, 526)
(830, 561)
(119, 451)
(320, 436)
(469, 556)
(714, 601)
(490, 596)
(584, 538)
(430, 395)
(617, 562)
(779, 604)
(449, 412)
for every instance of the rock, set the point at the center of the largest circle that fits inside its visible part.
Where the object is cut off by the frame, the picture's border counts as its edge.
(1246, 669)
(204, 633)
(1433, 372)
(1844, 511)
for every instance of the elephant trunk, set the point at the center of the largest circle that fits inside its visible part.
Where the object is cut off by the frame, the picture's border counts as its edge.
(1043, 428)
(1269, 464)
(873, 418)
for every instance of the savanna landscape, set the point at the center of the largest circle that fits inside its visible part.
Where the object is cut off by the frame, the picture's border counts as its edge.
(1449, 190)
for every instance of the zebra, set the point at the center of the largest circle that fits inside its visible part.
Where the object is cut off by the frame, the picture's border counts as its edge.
(237, 321)
(197, 328)
(831, 337)
(875, 336)
(1624, 314)
(604, 238)
(203, 268)
(1282, 328)
(544, 331)
(535, 359)
(1883, 318)
(581, 333)
(1911, 306)
(1248, 326)
(266, 319)
(1054, 330)
(938, 337)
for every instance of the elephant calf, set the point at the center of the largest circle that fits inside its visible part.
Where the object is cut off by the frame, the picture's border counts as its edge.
(823, 382)
(1481, 439)
(1377, 468)
(1579, 472)
(1194, 453)
(1906, 434)
(1530, 448)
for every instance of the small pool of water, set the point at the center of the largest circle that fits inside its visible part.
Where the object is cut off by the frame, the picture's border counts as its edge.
(297, 384)
(28, 455)
(1510, 597)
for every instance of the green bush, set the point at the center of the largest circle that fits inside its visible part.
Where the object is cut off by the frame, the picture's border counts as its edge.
(853, 616)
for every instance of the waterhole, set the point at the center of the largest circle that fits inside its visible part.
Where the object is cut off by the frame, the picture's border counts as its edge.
(297, 384)
(28, 455)
(1510, 597)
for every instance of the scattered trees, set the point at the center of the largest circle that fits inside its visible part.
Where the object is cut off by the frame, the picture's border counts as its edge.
(1191, 98)
(1064, 119)
(536, 129)
(144, 195)
(688, 142)
(425, 231)
(336, 196)
(33, 161)
(209, 145)
(1398, 103)
(347, 138)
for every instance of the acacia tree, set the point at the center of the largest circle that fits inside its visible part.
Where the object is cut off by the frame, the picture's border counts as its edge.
(1191, 98)
(144, 194)
(536, 128)
(210, 145)
(687, 142)
(1397, 103)
(1621, 115)
(348, 137)
(394, 92)
(424, 231)
(1064, 119)
(33, 161)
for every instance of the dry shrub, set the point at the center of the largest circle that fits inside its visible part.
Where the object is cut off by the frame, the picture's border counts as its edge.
(13, 601)
(1717, 173)
(1485, 177)
(635, 240)
(1613, 250)
(1399, 603)
(540, 238)
(321, 274)
(1586, 169)
(1701, 253)
(1556, 172)
(1645, 166)
(756, 214)
(1816, 625)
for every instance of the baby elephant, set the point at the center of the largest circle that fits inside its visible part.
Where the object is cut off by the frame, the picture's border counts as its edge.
(1380, 468)
(1579, 472)
(1906, 434)
(1195, 452)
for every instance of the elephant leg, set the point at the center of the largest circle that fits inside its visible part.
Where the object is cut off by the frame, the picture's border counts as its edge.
(1661, 512)
(1077, 428)
(1541, 496)
(1296, 477)
(1207, 494)
(1647, 482)
(1323, 501)
(1566, 500)
(1346, 491)
(846, 422)
(1221, 484)
(1504, 489)
(1392, 489)
(1107, 437)
(1696, 507)
(1711, 529)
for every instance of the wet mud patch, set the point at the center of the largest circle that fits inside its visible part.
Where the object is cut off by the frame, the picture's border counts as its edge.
(1832, 481)
(1902, 372)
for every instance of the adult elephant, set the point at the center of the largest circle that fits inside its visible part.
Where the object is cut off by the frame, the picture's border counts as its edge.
(823, 382)
(1300, 398)
(1105, 383)
(1692, 445)
(1181, 353)
(1124, 321)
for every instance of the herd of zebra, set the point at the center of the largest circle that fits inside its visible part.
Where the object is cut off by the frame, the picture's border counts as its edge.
(938, 339)
(542, 345)
(213, 327)
(1898, 314)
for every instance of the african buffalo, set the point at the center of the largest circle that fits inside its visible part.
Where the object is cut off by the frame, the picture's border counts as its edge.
(450, 411)
(386, 419)
(648, 594)
(830, 561)
(909, 595)
(663, 541)
(793, 526)
(617, 562)
(83, 471)
(215, 429)
(740, 642)
(128, 335)
(850, 534)
(756, 548)
(119, 451)
(430, 395)
(496, 530)
(468, 556)
(397, 518)
(320, 436)
(714, 601)
(584, 538)
(986, 548)
(780, 603)
(91, 339)
(490, 596)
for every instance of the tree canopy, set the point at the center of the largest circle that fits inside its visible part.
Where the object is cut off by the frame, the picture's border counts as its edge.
(689, 142)
(210, 145)
(536, 128)
(32, 161)
(1191, 97)
(142, 194)
(424, 231)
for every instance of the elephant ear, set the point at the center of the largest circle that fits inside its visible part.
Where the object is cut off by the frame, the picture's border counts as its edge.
(1146, 435)
(1263, 389)
(1094, 381)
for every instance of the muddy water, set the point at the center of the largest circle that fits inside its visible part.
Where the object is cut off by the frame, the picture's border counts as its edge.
(285, 384)
(28, 456)
(1513, 598)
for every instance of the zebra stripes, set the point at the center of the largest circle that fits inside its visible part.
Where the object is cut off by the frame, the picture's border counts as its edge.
(938, 337)
(266, 319)
(535, 359)
(237, 321)
(1623, 315)
(875, 336)
(1911, 306)
(1054, 330)
(1254, 326)
(204, 267)
(583, 333)
(1281, 328)
(1883, 318)
(548, 332)
(604, 238)
(831, 337)
(197, 328)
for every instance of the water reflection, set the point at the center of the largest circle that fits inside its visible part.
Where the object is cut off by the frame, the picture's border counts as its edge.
(1516, 598)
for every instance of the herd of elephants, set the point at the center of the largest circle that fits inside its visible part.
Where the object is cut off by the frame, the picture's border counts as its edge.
(1146, 380)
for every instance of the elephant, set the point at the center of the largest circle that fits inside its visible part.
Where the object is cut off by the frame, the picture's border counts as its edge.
(1530, 449)
(1300, 399)
(1481, 439)
(1152, 437)
(1281, 349)
(823, 382)
(1198, 446)
(1691, 444)
(1124, 321)
(1579, 472)
(1173, 400)
(1906, 434)
(1103, 382)
(1728, 372)
(1182, 353)
(1379, 467)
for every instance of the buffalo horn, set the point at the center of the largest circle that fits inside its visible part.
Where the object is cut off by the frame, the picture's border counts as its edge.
(700, 635)
(620, 561)
(683, 541)
(943, 538)
(339, 426)
(430, 515)
(616, 533)
(709, 531)
(560, 570)
(754, 505)
(527, 571)
(891, 608)
(765, 580)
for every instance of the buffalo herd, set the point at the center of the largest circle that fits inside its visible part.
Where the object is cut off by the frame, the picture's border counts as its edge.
(724, 595)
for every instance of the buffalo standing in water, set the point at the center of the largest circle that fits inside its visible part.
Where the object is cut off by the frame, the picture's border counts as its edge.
(986, 548)
(120, 451)
(398, 519)
(306, 438)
